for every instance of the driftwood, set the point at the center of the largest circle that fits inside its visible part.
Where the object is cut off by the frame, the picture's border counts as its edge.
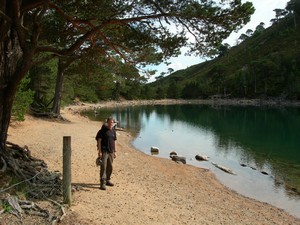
(33, 172)
(40, 183)
(19, 207)
(223, 168)
(16, 208)
(63, 213)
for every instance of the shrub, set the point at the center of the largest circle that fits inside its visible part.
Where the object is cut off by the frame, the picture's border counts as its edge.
(23, 99)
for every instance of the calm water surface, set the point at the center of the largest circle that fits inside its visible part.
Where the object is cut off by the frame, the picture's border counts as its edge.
(262, 138)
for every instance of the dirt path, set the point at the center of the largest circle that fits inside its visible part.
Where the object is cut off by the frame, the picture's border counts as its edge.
(148, 189)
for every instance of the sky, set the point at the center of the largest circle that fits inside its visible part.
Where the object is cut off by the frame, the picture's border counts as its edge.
(263, 13)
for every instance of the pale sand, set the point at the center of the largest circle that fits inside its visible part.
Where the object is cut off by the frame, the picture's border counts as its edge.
(148, 189)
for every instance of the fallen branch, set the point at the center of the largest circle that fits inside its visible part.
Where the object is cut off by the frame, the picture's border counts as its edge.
(61, 208)
(2, 211)
(223, 168)
(16, 208)
(26, 204)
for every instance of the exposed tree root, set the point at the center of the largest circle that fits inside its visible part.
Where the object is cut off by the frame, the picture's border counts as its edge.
(19, 207)
(4, 165)
(32, 173)
(45, 113)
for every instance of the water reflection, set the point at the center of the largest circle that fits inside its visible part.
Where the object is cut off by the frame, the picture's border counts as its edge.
(262, 138)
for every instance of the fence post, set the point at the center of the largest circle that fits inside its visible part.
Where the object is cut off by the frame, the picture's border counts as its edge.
(67, 170)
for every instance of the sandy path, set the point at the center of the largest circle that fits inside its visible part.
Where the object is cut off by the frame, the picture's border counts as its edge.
(148, 189)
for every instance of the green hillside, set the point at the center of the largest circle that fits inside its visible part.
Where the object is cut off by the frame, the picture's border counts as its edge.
(267, 64)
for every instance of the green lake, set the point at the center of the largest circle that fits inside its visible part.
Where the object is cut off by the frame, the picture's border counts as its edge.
(260, 144)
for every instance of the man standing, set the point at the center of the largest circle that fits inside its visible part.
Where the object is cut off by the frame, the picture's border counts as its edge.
(106, 138)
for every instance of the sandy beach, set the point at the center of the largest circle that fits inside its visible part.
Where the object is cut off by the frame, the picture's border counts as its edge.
(148, 189)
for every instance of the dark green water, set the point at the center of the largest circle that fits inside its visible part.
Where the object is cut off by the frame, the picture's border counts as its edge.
(264, 139)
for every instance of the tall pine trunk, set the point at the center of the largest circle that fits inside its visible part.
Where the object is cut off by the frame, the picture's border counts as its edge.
(58, 89)
(61, 67)
(6, 101)
(14, 64)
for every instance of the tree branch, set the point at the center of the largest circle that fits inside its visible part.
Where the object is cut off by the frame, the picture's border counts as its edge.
(17, 22)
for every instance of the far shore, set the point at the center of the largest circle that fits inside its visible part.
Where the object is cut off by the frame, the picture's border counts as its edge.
(229, 102)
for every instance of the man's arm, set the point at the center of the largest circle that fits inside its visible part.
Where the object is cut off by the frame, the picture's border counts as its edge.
(115, 145)
(99, 147)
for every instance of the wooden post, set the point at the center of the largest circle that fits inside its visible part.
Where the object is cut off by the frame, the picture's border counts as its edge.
(67, 170)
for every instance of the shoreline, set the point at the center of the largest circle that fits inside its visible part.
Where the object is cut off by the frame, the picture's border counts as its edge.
(81, 106)
(148, 190)
(218, 102)
(221, 102)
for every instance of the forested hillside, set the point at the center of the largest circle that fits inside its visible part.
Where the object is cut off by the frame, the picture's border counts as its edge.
(265, 64)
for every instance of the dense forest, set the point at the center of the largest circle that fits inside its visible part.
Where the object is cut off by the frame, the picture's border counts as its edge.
(264, 63)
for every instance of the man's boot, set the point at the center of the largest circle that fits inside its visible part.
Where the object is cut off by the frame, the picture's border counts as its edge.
(102, 185)
(109, 183)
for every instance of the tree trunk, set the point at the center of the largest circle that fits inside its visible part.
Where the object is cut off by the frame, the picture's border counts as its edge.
(255, 88)
(14, 64)
(9, 56)
(117, 91)
(58, 88)
(6, 102)
(61, 67)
